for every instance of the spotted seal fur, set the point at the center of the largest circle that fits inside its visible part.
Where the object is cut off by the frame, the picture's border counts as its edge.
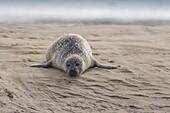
(72, 54)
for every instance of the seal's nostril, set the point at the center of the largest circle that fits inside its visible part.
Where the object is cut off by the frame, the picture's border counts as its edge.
(72, 71)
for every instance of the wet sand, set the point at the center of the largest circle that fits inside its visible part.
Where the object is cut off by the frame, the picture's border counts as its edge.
(141, 85)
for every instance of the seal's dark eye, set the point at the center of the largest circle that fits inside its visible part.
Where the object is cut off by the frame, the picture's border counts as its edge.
(77, 64)
(68, 65)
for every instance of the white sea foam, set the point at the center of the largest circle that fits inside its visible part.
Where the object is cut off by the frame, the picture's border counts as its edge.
(30, 11)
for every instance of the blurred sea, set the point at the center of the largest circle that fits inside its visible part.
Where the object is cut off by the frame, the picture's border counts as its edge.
(84, 10)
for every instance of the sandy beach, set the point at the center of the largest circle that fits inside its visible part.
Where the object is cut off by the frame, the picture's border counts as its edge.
(140, 85)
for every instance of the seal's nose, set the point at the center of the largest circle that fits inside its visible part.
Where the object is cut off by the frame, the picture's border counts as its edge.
(73, 73)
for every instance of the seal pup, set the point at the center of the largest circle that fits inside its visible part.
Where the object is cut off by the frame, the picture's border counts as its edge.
(72, 54)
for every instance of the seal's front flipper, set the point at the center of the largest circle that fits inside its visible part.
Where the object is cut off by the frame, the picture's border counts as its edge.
(106, 66)
(44, 65)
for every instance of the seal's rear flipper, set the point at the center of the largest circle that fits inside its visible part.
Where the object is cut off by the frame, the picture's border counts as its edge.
(44, 65)
(98, 64)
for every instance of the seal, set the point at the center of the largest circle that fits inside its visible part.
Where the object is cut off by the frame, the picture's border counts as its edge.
(72, 54)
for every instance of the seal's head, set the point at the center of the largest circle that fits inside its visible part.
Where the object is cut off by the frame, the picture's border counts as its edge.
(74, 66)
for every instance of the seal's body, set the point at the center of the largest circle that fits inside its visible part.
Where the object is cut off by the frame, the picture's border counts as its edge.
(72, 54)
